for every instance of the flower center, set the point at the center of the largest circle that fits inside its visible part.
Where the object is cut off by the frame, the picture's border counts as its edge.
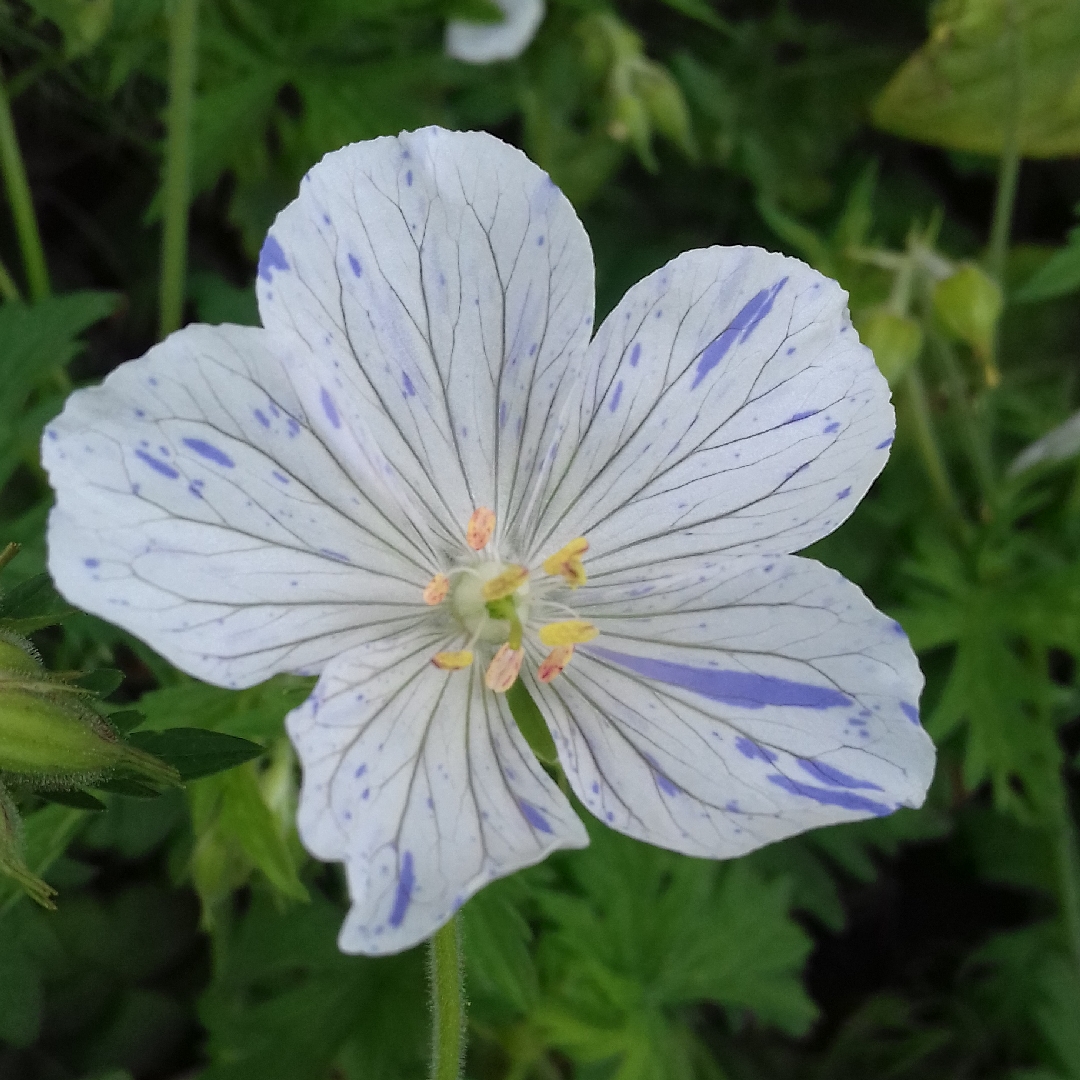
(485, 619)
(491, 601)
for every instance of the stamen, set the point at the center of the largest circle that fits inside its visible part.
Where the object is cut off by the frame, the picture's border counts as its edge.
(480, 529)
(509, 581)
(436, 590)
(556, 660)
(503, 670)
(567, 562)
(453, 661)
(570, 632)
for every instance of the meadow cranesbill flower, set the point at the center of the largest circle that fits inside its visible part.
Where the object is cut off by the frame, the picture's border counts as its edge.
(422, 480)
(484, 43)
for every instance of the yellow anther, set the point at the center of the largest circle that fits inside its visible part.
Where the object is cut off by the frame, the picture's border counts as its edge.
(556, 660)
(569, 632)
(452, 661)
(503, 670)
(509, 581)
(480, 528)
(436, 590)
(567, 562)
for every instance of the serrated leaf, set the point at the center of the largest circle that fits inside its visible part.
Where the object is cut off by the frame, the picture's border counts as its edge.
(37, 339)
(195, 752)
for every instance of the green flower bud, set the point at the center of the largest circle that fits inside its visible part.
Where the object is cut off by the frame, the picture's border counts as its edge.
(58, 743)
(665, 104)
(11, 860)
(968, 305)
(895, 340)
(630, 124)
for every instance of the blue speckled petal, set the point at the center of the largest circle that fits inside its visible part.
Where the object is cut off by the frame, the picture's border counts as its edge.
(197, 509)
(727, 405)
(444, 288)
(731, 701)
(419, 781)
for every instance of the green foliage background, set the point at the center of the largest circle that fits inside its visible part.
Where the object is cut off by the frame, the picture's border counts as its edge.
(881, 142)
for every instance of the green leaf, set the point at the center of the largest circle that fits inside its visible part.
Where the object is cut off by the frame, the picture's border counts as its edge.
(701, 11)
(235, 831)
(1058, 276)
(257, 714)
(286, 1004)
(989, 64)
(195, 752)
(102, 681)
(38, 339)
(499, 966)
(82, 22)
(31, 605)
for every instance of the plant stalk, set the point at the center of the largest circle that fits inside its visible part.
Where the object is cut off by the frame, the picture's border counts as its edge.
(22, 204)
(1067, 857)
(930, 450)
(1009, 163)
(447, 1002)
(176, 183)
(8, 289)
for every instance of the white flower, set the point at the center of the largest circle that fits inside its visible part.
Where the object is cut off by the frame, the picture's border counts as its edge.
(484, 43)
(421, 476)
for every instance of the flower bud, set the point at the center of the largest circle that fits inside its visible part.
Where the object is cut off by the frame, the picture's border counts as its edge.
(895, 340)
(57, 743)
(968, 305)
(665, 104)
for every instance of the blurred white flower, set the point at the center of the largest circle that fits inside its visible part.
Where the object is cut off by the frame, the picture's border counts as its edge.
(484, 43)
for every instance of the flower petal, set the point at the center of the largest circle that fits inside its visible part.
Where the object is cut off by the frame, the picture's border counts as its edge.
(420, 782)
(197, 509)
(727, 405)
(445, 288)
(484, 43)
(730, 703)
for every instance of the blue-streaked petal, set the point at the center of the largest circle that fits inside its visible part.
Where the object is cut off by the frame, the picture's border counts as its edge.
(444, 287)
(484, 43)
(197, 509)
(419, 781)
(730, 702)
(728, 405)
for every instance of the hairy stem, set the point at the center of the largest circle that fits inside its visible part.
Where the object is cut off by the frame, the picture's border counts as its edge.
(447, 1002)
(176, 185)
(22, 205)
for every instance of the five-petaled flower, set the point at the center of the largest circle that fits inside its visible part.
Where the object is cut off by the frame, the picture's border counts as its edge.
(422, 478)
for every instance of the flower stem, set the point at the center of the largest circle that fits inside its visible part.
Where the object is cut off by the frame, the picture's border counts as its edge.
(8, 289)
(447, 1002)
(1067, 858)
(22, 205)
(933, 461)
(1009, 163)
(176, 184)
